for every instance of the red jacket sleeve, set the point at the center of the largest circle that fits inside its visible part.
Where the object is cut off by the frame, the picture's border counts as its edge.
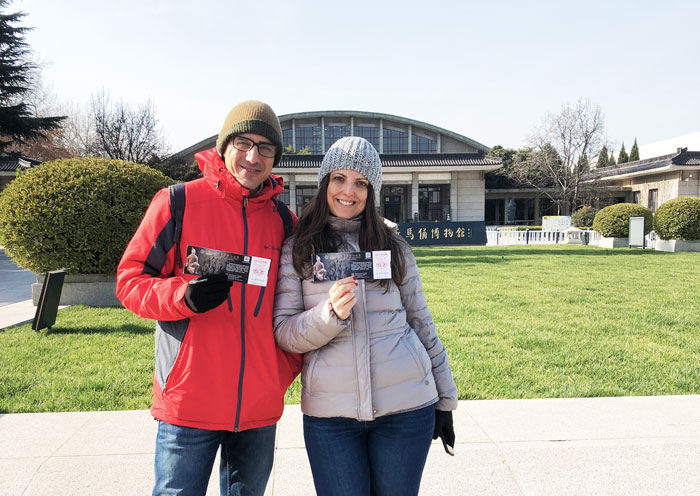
(144, 282)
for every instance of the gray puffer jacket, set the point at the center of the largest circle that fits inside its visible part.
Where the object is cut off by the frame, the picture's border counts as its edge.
(384, 358)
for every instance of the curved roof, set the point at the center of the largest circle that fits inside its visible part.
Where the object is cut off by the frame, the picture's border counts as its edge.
(389, 117)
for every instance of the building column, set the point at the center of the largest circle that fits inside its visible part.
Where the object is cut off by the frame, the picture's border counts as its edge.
(439, 142)
(381, 135)
(352, 125)
(410, 134)
(323, 135)
(538, 200)
(294, 134)
(414, 196)
(453, 197)
(293, 193)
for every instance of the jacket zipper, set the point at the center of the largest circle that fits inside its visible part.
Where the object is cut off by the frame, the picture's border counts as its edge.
(243, 288)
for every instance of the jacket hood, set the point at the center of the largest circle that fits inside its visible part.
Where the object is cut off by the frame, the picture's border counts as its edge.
(216, 174)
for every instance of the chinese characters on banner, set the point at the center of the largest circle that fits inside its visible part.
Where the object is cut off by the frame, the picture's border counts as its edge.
(443, 233)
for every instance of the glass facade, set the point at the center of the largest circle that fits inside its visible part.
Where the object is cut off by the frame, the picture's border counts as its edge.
(395, 141)
(309, 136)
(421, 144)
(395, 203)
(284, 196)
(304, 196)
(433, 202)
(334, 133)
(369, 133)
(287, 137)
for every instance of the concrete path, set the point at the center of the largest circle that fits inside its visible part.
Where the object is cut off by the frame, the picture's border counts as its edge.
(15, 282)
(602, 446)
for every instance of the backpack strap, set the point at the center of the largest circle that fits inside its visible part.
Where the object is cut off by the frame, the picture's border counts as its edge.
(177, 213)
(286, 215)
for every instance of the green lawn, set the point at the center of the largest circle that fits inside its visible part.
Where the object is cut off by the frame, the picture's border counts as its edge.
(518, 322)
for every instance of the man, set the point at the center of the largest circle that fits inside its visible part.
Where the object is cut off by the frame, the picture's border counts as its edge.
(219, 378)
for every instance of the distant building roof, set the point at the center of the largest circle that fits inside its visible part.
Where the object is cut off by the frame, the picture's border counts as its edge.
(682, 159)
(12, 164)
(477, 161)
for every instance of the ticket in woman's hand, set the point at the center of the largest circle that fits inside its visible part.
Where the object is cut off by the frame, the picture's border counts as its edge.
(361, 264)
(239, 268)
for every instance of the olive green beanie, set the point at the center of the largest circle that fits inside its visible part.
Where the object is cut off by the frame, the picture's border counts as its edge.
(251, 117)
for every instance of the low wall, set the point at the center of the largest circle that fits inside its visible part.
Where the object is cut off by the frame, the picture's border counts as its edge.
(675, 245)
(95, 290)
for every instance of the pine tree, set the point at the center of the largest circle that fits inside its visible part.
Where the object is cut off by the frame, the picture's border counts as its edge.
(612, 158)
(603, 157)
(623, 157)
(17, 124)
(634, 152)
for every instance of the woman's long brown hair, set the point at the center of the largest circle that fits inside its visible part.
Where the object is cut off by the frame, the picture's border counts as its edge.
(314, 235)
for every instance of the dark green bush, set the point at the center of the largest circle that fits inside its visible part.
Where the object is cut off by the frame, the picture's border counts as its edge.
(77, 213)
(583, 217)
(614, 221)
(678, 219)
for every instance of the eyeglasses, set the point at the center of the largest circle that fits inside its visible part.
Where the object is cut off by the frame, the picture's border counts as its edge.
(244, 144)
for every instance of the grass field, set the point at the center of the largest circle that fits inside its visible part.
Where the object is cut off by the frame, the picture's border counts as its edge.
(518, 322)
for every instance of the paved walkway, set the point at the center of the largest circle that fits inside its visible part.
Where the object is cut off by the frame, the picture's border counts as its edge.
(15, 282)
(603, 446)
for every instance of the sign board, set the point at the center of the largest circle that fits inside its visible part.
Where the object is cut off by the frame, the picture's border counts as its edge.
(443, 233)
(556, 222)
(636, 235)
(47, 307)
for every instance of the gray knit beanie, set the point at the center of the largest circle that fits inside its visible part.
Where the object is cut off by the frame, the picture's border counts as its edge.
(356, 154)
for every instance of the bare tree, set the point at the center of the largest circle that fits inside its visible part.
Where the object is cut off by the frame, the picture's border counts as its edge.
(558, 161)
(124, 132)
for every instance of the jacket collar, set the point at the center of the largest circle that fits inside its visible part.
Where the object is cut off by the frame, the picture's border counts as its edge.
(345, 225)
(216, 174)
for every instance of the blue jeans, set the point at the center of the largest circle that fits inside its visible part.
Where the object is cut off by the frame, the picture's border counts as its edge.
(185, 456)
(383, 457)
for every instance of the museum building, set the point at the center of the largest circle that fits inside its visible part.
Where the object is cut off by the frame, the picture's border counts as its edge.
(429, 173)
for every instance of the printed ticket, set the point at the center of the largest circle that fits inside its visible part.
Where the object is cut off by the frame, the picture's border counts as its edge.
(239, 268)
(361, 264)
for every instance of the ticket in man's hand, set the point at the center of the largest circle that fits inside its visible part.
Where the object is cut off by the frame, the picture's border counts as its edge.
(239, 268)
(361, 264)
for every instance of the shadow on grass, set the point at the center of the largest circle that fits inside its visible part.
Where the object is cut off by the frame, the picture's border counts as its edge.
(124, 329)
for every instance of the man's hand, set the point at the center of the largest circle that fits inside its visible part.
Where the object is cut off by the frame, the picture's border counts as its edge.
(445, 430)
(342, 295)
(207, 292)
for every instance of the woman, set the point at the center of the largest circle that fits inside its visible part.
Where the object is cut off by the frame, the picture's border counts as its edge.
(376, 381)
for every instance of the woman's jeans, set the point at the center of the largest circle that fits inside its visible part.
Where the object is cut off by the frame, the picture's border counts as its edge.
(185, 456)
(382, 457)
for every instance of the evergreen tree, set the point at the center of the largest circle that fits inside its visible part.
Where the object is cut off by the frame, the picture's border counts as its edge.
(634, 152)
(612, 158)
(17, 123)
(622, 157)
(603, 157)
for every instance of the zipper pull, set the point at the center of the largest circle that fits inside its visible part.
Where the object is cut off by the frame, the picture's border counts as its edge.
(245, 201)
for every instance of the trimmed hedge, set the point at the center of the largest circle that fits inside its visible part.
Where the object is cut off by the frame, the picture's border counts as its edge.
(77, 214)
(678, 219)
(583, 217)
(614, 221)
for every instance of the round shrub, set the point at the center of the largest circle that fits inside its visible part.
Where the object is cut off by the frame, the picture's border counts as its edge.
(678, 219)
(614, 221)
(583, 217)
(77, 214)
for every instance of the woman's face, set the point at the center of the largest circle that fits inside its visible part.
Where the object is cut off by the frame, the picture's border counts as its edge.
(347, 193)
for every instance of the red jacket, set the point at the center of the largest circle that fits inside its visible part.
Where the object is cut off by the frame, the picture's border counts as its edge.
(220, 369)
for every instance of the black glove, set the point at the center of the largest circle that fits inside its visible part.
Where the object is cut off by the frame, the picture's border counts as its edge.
(207, 292)
(444, 430)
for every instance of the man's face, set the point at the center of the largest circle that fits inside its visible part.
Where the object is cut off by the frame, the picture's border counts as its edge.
(249, 168)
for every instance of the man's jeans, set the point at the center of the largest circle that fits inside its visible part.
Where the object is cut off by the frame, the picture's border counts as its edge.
(185, 456)
(383, 457)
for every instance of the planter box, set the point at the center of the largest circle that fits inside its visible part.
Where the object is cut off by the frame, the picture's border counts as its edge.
(676, 245)
(95, 290)
(613, 242)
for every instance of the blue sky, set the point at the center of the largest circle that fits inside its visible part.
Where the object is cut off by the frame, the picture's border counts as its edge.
(490, 71)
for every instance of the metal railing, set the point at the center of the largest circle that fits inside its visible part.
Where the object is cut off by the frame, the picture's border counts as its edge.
(498, 237)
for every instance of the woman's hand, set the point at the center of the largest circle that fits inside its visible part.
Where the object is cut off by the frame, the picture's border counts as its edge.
(342, 296)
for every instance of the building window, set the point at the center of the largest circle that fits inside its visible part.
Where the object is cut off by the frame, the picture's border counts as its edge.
(637, 197)
(304, 196)
(433, 202)
(334, 133)
(394, 203)
(653, 199)
(395, 141)
(287, 137)
(421, 144)
(371, 134)
(309, 136)
(284, 196)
